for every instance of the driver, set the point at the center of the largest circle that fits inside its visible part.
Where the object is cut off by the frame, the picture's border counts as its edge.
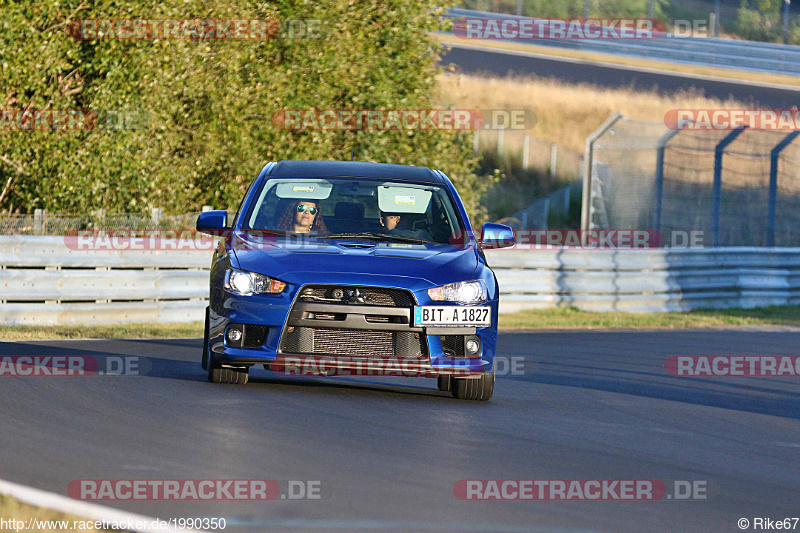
(302, 216)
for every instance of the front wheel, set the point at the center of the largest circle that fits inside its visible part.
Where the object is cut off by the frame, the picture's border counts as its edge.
(480, 389)
(225, 374)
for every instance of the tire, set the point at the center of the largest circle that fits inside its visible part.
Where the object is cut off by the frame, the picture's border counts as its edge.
(217, 373)
(225, 374)
(479, 389)
(204, 359)
(444, 382)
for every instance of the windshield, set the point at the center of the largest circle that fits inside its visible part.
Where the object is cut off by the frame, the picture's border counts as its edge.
(371, 208)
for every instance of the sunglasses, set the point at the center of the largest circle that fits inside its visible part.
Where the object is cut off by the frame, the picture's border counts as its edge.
(302, 207)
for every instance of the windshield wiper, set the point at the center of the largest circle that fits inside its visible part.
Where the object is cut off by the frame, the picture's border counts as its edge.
(370, 235)
(269, 232)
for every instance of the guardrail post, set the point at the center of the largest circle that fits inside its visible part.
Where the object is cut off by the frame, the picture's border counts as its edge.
(716, 202)
(586, 200)
(553, 161)
(526, 150)
(658, 186)
(155, 216)
(38, 221)
(772, 205)
(500, 133)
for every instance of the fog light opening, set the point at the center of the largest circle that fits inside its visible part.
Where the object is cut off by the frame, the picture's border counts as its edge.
(234, 334)
(472, 346)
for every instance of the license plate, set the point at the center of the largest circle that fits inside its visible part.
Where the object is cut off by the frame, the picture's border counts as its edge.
(432, 315)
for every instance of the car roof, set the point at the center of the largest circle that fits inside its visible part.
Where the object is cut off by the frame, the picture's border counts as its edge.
(360, 169)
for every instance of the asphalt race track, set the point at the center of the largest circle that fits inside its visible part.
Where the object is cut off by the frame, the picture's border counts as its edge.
(387, 451)
(502, 63)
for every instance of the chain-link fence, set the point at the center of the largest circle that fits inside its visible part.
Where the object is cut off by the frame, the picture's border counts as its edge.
(45, 223)
(730, 187)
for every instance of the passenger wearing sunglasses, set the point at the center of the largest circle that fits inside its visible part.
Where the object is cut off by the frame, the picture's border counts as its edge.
(302, 216)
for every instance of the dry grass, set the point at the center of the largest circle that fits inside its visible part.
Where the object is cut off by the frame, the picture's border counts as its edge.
(571, 318)
(566, 113)
(11, 508)
(123, 331)
(761, 77)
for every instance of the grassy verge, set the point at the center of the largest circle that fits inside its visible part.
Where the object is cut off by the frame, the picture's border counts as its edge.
(762, 77)
(128, 331)
(571, 318)
(560, 318)
(11, 508)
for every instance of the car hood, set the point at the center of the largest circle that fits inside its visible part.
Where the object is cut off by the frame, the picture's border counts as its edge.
(413, 266)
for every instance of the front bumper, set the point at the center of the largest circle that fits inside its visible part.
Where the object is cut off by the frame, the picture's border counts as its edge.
(379, 340)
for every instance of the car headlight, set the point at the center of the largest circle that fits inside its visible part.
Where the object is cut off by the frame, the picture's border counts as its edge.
(247, 283)
(463, 292)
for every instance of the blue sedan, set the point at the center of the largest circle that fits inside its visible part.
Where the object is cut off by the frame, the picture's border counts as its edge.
(351, 268)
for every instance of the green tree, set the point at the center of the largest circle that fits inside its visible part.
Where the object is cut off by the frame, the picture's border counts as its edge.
(209, 103)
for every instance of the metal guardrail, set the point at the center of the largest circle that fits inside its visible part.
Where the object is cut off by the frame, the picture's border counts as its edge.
(704, 51)
(654, 280)
(45, 282)
(42, 282)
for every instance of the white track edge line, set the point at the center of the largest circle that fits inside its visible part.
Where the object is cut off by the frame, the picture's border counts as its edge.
(81, 509)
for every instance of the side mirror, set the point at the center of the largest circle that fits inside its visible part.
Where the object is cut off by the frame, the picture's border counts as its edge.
(212, 222)
(497, 236)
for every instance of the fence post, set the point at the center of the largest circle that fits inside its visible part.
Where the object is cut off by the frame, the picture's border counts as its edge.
(38, 221)
(772, 206)
(500, 134)
(658, 186)
(526, 150)
(553, 161)
(716, 202)
(476, 141)
(155, 216)
(586, 200)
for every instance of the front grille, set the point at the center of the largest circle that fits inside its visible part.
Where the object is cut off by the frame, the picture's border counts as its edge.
(453, 345)
(352, 342)
(345, 294)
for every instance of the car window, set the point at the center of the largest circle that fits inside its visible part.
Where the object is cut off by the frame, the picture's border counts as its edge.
(332, 206)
